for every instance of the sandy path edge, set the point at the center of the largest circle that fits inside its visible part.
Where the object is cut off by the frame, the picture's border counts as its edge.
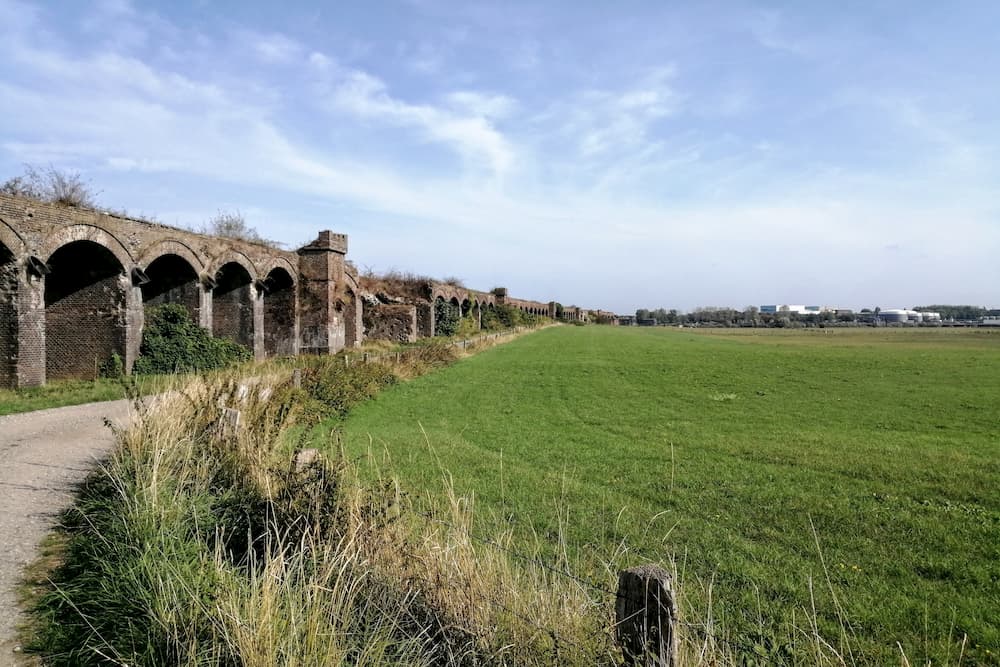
(43, 454)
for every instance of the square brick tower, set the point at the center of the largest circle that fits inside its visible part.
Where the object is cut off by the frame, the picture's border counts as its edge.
(322, 288)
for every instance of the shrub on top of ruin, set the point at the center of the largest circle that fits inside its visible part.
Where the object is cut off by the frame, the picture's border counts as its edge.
(233, 225)
(173, 343)
(49, 184)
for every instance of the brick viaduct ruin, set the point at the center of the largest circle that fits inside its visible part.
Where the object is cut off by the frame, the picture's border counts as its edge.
(74, 284)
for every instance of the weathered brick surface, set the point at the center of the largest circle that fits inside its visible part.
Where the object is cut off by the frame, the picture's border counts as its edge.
(173, 281)
(65, 324)
(233, 306)
(322, 290)
(8, 317)
(425, 320)
(396, 323)
(85, 310)
(280, 336)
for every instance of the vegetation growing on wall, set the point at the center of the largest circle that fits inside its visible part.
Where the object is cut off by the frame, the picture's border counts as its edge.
(504, 316)
(52, 185)
(173, 343)
(447, 317)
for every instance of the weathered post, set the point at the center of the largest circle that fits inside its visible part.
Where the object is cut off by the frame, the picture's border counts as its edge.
(646, 617)
(297, 378)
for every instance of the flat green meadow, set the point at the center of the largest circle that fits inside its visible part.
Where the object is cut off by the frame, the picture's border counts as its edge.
(839, 481)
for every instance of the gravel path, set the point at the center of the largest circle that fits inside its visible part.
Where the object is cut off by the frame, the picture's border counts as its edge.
(42, 455)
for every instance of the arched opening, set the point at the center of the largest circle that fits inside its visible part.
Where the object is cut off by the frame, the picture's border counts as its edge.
(466, 308)
(279, 314)
(352, 323)
(172, 280)
(8, 316)
(232, 305)
(85, 311)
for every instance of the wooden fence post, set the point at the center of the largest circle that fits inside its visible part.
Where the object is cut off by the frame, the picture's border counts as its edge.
(646, 617)
(297, 378)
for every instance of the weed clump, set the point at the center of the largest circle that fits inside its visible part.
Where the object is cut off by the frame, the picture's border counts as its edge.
(173, 343)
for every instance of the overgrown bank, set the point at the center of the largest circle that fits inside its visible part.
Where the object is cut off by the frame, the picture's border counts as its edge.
(213, 541)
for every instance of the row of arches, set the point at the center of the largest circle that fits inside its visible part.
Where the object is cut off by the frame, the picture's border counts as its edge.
(89, 302)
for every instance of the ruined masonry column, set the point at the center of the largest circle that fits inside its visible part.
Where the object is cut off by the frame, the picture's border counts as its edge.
(30, 365)
(257, 298)
(205, 306)
(321, 281)
(135, 320)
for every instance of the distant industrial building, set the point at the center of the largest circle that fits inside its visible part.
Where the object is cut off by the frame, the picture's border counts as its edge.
(796, 309)
(903, 316)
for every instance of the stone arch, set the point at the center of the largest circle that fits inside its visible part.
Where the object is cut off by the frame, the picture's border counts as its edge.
(173, 279)
(281, 263)
(232, 256)
(86, 298)
(171, 247)
(279, 313)
(66, 235)
(233, 303)
(11, 240)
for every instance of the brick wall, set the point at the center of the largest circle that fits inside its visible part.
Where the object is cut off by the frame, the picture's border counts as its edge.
(397, 323)
(172, 280)
(279, 316)
(8, 318)
(232, 314)
(425, 320)
(353, 327)
(85, 311)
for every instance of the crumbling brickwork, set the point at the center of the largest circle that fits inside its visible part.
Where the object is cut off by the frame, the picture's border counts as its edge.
(8, 317)
(396, 322)
(172, 280)
(279, 316)
(75, 284)
(85, 311)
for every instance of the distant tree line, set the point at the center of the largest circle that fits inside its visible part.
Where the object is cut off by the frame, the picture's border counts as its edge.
(959, 312)
(750, 316)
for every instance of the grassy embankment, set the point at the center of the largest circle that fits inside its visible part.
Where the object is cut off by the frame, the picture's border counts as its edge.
(204, 541)
(839, 483)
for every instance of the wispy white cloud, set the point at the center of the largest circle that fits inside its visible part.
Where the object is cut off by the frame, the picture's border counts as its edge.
(472, 134)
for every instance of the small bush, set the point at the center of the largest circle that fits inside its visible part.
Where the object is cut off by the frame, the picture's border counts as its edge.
(173, 343)
(113, 368)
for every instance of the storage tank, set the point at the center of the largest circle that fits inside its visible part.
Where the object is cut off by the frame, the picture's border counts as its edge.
(894, 315)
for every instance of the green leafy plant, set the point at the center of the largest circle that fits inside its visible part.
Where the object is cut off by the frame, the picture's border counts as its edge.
(172, 342)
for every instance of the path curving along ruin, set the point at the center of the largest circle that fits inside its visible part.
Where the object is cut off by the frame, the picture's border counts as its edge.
(43, 455)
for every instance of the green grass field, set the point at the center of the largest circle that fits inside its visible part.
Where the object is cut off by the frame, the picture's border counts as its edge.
(753, 458)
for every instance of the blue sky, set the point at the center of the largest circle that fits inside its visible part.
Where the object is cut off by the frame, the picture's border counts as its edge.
(611, 155)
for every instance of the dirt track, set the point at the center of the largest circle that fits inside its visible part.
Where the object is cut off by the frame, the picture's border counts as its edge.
(42, 455)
